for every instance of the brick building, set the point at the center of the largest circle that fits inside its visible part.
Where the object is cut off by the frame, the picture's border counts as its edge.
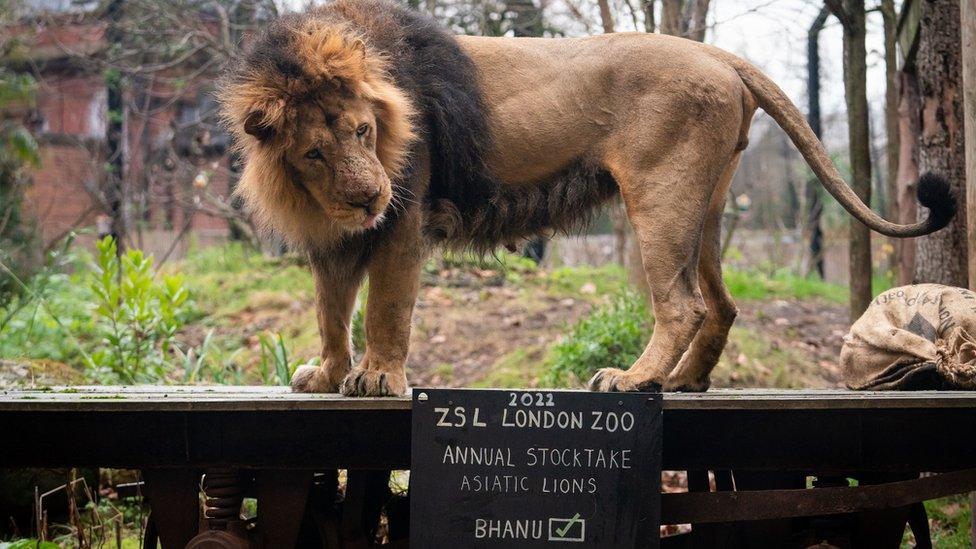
(175, 175)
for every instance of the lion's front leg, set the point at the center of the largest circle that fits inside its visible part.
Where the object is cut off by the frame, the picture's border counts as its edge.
(394, 280)
(336, 284)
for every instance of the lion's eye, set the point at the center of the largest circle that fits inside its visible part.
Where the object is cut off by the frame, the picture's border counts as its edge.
(314, 154)
(362, 129)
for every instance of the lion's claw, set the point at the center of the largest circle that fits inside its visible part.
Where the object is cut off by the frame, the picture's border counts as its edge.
(609, 380)
(362, 382)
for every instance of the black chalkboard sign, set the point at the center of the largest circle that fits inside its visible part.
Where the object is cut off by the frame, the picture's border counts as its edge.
(507, 469)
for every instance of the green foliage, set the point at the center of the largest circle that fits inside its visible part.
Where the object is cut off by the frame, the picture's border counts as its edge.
(196, 359)
(28, 544)
(512, 264)
(949, 519)
(613, 335)
(781, 284)
(136, 316)
(520, 368)
(607, 279)
(49, 318)
(223, 279)
(274, 364)
(359, 327)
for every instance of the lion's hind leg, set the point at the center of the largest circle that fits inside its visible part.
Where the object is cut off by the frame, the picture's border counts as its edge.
(695, 367)
(666, 206)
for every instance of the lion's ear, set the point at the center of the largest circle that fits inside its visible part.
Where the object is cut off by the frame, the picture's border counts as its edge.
(360, 48)
(255, 125)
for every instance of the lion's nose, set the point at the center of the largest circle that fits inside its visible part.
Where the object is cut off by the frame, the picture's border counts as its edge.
(364, 199)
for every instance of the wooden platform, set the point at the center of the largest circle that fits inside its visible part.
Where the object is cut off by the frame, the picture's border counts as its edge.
(185, 398)
(269, 427)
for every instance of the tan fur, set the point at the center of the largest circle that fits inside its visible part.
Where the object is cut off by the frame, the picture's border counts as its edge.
(666, 117)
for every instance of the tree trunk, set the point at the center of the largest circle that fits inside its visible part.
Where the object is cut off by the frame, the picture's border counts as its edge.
(852, 17)
(671, 17)
(606, 17)
(650, 25)
(942, 256)
(907, 173)
(968, 19)
(618, 214)
(115, 188)
(814, 205)
(696, 12)
(528, 18)
(890, 17)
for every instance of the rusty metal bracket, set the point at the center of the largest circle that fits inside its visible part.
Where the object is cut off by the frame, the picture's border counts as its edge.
(708, 507)
(174, 503)
(223, 491)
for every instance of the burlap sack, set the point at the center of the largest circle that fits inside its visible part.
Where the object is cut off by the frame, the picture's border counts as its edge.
(912, 338)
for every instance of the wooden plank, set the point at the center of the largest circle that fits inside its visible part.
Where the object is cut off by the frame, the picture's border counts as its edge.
(306, 439)
(761, 399)
(968, 27)
(185, 399)
(823, 431)
(735, 506)
(244, 398)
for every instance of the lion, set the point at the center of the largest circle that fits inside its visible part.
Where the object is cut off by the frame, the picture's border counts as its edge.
(370, 136)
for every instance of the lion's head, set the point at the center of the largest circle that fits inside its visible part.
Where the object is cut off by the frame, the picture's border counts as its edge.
(321, 127)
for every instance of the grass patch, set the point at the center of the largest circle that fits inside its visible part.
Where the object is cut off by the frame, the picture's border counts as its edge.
(520, 368)
(606, 280)
(757, 286)
(949, 520)
(784, 284)
(224, 279)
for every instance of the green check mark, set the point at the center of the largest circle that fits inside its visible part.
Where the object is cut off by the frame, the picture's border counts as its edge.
(569, 524)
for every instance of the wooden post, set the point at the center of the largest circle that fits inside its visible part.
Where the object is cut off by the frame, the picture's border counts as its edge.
(968, 27)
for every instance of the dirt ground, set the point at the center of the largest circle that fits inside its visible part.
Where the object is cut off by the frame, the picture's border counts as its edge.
(477, 328)
(498, 333)
(460, 335)
(811, 330)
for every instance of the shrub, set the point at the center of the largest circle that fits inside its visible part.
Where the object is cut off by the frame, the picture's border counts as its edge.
(136, 316)
(50, 317)
(613, 335)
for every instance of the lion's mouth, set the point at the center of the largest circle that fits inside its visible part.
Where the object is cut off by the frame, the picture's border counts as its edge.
(372, 220)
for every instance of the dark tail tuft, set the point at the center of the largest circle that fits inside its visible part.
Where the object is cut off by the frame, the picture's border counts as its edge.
(934, 193)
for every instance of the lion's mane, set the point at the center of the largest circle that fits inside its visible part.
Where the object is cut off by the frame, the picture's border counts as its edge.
(423, 85)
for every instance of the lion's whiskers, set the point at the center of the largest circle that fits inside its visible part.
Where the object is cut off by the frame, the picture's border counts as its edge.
(402, 188)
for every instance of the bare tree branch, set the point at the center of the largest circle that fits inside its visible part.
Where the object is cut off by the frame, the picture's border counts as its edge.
(840, 12)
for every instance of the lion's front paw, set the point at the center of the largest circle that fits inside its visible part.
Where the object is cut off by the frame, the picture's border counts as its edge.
(310, 378)
(617, 380)
(371, 382)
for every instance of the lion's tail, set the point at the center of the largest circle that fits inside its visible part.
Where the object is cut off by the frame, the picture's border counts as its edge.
(933, 190)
